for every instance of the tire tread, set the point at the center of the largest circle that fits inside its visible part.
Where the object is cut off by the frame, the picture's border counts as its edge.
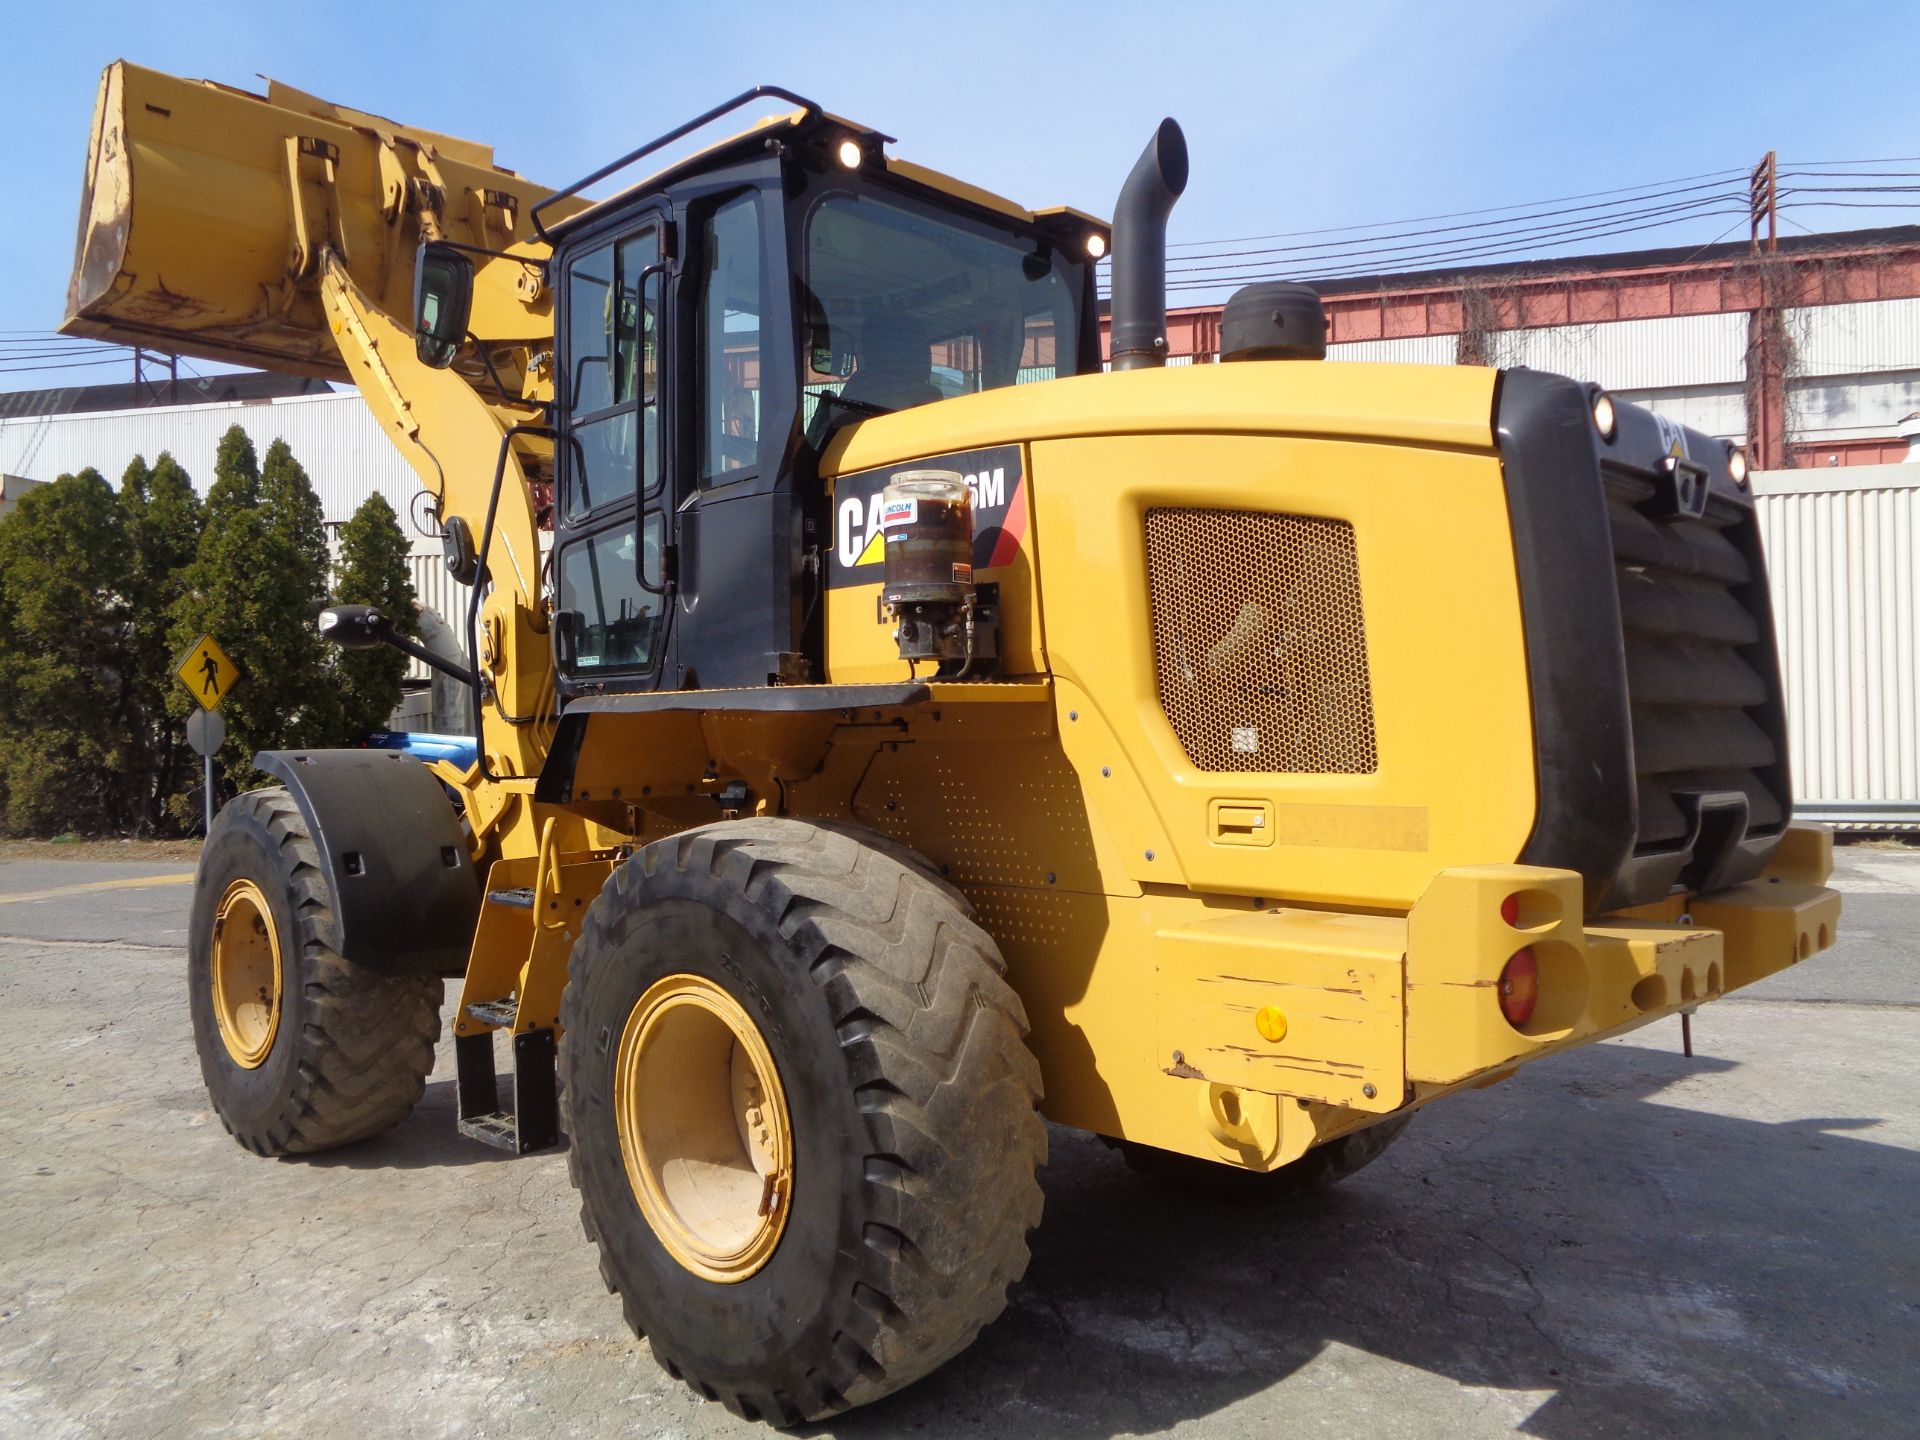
(368, 1044)
(933, 1038)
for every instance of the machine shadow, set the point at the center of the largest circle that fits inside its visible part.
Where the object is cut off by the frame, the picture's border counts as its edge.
(1630, 1269)
(428, 1139)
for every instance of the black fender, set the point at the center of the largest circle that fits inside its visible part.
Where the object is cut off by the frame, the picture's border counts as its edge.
(406, 899)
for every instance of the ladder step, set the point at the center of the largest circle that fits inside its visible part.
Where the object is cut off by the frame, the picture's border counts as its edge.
(497, 1128)
(521, 899)
(534, 1121)
(500, 1012)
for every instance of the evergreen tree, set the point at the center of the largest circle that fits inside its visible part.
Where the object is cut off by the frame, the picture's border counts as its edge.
(294, 510)
(373, 571)
(236, 473)
(163, 519)
(64, 660)
(253, 586)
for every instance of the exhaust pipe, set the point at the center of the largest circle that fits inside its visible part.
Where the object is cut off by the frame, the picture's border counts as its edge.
(1140, 249)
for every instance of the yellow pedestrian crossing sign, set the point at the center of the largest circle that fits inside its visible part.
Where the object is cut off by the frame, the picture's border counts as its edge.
(207, 672)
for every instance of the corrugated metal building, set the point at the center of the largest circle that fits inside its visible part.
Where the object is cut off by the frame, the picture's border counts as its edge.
(335, 437)
(1842, 548)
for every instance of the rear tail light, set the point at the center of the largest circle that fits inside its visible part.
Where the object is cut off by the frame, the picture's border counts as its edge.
(1520, 978)
(1519, 988)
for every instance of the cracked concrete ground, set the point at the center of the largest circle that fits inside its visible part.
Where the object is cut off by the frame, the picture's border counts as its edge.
(1621, 1242)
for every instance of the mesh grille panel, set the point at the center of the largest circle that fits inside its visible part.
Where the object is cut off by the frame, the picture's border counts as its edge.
(1259, 641)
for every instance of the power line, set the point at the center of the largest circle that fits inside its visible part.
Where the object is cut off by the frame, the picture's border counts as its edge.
(1618, 211)
(8, 352)
(1468, 248)
(61, 365)
(1433, 259)
(1464, 214)
(1883, 160)
(1723, 191)
(1532, 233)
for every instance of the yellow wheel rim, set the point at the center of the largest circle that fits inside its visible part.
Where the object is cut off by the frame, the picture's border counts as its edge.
(246, 974)
(703, 1126)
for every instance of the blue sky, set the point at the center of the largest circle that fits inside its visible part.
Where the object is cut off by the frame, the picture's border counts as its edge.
(1298, 116)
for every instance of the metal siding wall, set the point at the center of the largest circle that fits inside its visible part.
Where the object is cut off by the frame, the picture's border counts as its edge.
(1413, 350)
(1853, 406)
(438, 592)
(1858, 338)
(334, 437)
(1841, 551)
(1635, 354)
(1717, 409)
(1664, 353)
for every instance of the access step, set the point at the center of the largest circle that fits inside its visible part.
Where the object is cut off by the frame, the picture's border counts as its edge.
(534, 1121)
(500, 1013)
(521, 899)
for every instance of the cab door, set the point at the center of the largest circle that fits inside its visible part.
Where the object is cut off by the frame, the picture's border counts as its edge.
(610, 522)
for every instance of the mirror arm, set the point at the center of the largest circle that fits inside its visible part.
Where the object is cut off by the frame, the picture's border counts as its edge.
(426, 657)
(480, 348)
(531, 262)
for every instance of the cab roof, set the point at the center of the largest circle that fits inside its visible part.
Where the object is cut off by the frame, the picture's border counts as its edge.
(808, 121)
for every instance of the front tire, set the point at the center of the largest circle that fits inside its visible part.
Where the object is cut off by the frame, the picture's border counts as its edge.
(301, 1049)
(802, 1114)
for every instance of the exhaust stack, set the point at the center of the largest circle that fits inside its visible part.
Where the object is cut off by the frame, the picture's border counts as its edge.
(1140, 249)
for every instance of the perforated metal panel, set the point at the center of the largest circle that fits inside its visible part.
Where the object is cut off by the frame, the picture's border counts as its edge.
(1260, 642)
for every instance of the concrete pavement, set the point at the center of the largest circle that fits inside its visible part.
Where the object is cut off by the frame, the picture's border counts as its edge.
(1620, 1242)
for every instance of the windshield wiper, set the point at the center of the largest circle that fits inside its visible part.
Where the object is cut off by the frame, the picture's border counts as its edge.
(865, 407)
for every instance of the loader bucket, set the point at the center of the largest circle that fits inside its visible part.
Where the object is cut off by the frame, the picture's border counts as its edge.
(206, 209)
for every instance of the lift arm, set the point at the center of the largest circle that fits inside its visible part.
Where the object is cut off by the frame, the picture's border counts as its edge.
(280, 231)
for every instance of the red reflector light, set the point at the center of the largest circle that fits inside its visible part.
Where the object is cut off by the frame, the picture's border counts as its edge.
(1510, 909)
(1519, 988)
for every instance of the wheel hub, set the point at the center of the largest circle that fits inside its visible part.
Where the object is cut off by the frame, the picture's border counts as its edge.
(704, 1128)
(246, 974)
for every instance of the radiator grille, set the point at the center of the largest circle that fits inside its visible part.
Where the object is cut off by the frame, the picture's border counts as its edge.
(1693, 618)
(1259, 641)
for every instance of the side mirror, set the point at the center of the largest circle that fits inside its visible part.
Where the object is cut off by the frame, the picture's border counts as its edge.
(442, 302)
(823, 356)
(354, 627)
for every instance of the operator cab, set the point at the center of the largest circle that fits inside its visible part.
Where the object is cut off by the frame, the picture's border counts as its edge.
(716, 325)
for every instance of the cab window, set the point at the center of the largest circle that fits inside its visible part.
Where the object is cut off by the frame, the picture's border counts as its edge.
(612, 374)
(908, 304)
(610, 592)
(728, 343)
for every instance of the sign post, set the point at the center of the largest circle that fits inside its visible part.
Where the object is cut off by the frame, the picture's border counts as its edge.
(205, 730)
(208, 674)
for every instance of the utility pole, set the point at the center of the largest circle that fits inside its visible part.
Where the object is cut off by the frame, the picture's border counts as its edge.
(1763, 204)
(140, 360)
(1766, 325)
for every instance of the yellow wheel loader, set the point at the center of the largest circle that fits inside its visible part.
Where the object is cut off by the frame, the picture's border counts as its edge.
(896, 724)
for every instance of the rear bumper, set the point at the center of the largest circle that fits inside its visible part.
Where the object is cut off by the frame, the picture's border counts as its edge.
(1302, 1024)
(1599, 978)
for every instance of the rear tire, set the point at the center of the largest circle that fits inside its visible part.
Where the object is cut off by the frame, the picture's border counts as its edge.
(344, 1053)
(901, 1068)
(1320, 1168)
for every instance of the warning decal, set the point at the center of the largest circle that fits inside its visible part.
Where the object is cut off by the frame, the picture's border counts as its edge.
(861, 519)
